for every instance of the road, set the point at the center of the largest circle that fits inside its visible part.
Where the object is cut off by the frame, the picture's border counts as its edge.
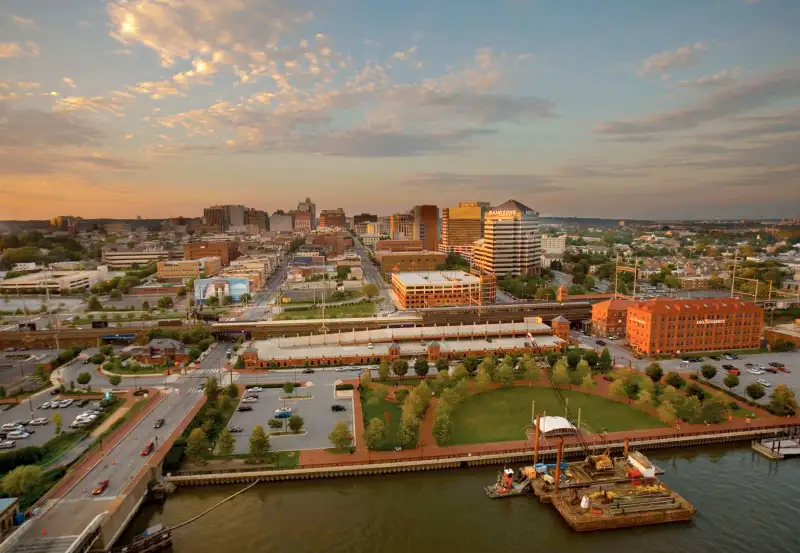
(372, 276)
(260, 309)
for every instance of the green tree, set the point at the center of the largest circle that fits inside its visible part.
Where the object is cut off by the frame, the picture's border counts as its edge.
(645, 399)
(212, 389)
(459, 373)
(675, 380)
(94, 304)
(442, 428)
(591, 357)
(552, 358)
(182, 292)
(783, 401)
(375, 434)
(605, 360)
(288, 387)
(226, 443)
(225, 402)
(259, 444)
(145, 305)
(588, 382)
(212, 301)
(755, 391)
(442, 365)
(3, 392)
(654, 372)
(369, 290)
(296, 423)
(400, 367)
(194, 354)
(83, 378)
(165, 302)
(708, 371)
(239, 363)
(232, 391)
(690, 409)
(409, 433)
(421, 367)
(115, 294)
(340, 436)
(114, 379)
(505, 375)
(490, 366)
(561, 373)
(196, 444)
(383, 370)
(245, 298)
(22, 480)
(483, 379)
(107, 350)
(366, 379)
(573, 358)
(58, 421)
(471, 363)
(666, 412)
(618, 389)
(714, 410)
(577, 376)
(731, 381)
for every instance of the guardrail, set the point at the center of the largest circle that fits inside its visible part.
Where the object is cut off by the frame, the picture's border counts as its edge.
(85, 540)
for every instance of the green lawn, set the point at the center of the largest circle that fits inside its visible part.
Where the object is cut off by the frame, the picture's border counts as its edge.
(379, 410)
(363, 309)
(502, 415)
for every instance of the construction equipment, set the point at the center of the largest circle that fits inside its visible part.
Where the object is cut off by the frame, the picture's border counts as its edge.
(600, 462)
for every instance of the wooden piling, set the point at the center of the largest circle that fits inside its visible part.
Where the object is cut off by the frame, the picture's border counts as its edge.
(536, 441)
(558, 462)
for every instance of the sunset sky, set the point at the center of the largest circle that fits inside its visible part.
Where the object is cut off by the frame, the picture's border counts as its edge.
(589, 108)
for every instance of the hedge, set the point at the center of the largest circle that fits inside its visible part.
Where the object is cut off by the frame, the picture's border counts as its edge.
(344, 387)
(270, 385)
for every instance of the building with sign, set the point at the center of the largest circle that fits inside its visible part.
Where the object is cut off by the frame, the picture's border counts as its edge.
(676, 326)
(511, 244)
(221, 287)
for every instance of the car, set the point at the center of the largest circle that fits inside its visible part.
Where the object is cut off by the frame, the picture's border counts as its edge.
(784, 369)
(234, 429)
(727, 367)
(776, 364)
(245, 408)
(55, 392)
(749, 365)
(772, 370)
(158, 423)
(764, 383)
(340, 369)
(21, 422)
(18, 435)
(65, 403)
(101, 487)
(369, 345)
(255, 389)
(734, 356)
(79, 423)
(86, 361)
(734, 371)
(8, 444)
(83, 403)
(40, 421)
(308, 371)
(600, 343)
(45, 405)
(613, 337)
(148, 449)
(250, 399)
(140, 392)
(338, 408)
(755, 371)
(716, 357)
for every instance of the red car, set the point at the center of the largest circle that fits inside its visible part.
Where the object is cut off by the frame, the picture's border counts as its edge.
(147, 449)
(101, 487)
(784, 369)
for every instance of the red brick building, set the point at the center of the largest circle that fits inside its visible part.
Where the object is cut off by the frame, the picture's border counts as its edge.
(676, 326)
(226, 251)
(398, 246)
(610, 317)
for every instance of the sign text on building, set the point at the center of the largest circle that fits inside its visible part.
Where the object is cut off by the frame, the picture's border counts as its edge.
(711, 322)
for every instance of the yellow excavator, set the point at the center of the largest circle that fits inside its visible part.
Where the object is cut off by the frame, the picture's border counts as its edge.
(600, 462)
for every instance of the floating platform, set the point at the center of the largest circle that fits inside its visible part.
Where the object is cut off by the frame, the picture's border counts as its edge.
(778, 449)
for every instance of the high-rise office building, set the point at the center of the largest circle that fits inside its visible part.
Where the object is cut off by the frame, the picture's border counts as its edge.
(225, 216)
(281, 222)
(311, 207)
(215, 216)
(511, 244)
(461, 227)
(257, 218)
(333, 218)
(401, 226)
(426, 226)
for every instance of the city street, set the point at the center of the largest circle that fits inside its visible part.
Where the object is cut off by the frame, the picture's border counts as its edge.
(261, 310)
(372, 276)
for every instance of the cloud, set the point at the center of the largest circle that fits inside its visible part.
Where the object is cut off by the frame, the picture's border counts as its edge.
(684, 56)
(471, 183)
(29, 128)
(388, 143)
(732, 100)
(69, 82)
(95, 104)
(23, 22)
(156, 90)
(28, 85)
(756, 127)
(16, 50)
(718, 79)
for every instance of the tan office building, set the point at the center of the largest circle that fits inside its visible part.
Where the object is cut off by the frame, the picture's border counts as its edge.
(393, 262)
(180, 271)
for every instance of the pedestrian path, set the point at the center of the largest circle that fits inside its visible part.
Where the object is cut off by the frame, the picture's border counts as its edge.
(208, 372)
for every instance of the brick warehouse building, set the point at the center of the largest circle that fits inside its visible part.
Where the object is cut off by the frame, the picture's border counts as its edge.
(676, 326)
(610, 317)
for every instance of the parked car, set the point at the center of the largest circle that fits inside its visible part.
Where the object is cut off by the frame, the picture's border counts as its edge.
(715, 357)
(772, 370)
(18, 435)
(733, 356)
(337, 407)
(764, 383)
(10, 427)
(8, 444)
(613, 337)
(784, 369)
(308, 371)
(86, 361)
(148, 449)
(749, 365)
(21, 422)
(83, 403)
(255, 389)
(283, 413)
(234, 429)
(249, 399)
(340, 369)
(55, 392)
(734, 371)
(755, 371)
(245, 408)
(727, 367)
(600, 342)
(65, 403)
(45, 405)
(158, 423)
(775, 364)
(40, 421)
(101, 487)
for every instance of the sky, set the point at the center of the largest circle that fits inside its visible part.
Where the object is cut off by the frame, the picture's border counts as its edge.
(586, 108)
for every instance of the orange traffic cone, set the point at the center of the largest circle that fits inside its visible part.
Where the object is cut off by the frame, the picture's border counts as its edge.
(44, 531)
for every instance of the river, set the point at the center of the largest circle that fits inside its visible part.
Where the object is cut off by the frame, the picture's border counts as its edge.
(744, 503)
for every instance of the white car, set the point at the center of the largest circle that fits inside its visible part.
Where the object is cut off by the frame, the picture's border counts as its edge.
(10, 426)
(85, 417)
(283, 410)
(250, 399)
(8, 444)
(755, 371)
(255, 389)
(18, 435)
(40, 421)
(45, 405)
(65, 403)
(341, 369)
(764, 383)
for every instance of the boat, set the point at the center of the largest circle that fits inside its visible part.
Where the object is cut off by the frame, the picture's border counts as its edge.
(509, 485)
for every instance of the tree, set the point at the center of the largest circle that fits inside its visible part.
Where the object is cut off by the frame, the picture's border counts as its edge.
(145, 305)
(212, 389)
(259, 444)
(690, 409)
(442, 365)
(375, 434)
(232, 391)
(591, 357)
(239, 363)
(182, 292)
(618, 389)
(245, 298)
(573, 358)
(165, 302)
(383, 370)
(783, 401)
(675, 380)
(22, 480)
(605, 360)
(714, 410)
(94, 304)
(58, 421)
(552, 358)
(83, 378)
(483, 379)
(708, 371)
(588, 382)
(115, 295)
(212, 301)
(421, 367)
(666, 413)
(505, 375)
(471, 363)
(560, 373)
(576, 376)
(654, 372)
(459, 373)
(645, 399)
(226, 443)
(731, 381)
(296, 423)
(3, 392)
(288, 387)
(340, 436)
(366, 379)
(196, 443)
(755, 391)
(114, 379)
(400, 367)
(442, 427)
(369, 290)
(408, 433)
(194, 354)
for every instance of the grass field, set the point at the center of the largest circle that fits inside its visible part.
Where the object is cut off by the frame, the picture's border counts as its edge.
(502, 415)
(363, 309)
(379, 410)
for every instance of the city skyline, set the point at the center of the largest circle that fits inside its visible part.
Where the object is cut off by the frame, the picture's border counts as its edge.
(158, 108)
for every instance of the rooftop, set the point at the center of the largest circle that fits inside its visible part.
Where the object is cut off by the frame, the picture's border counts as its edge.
(613, 305)
(6, 502)
(436, 278)
(672, 305)
(551, 424)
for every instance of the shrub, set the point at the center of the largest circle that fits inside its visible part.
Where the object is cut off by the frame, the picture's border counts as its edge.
(275, 423)
(339, 387)
(675, 380)
(401, 395)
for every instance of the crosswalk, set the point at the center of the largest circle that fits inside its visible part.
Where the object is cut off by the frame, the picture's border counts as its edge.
(222, 375)
(208, 372)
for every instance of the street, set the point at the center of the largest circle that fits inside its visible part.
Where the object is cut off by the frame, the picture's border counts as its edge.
(372, 276)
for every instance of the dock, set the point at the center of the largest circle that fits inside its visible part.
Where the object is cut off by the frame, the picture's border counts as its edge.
(778, 448)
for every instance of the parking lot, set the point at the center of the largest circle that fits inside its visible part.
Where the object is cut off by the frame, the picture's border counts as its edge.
(45, 432)
(316, 413)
